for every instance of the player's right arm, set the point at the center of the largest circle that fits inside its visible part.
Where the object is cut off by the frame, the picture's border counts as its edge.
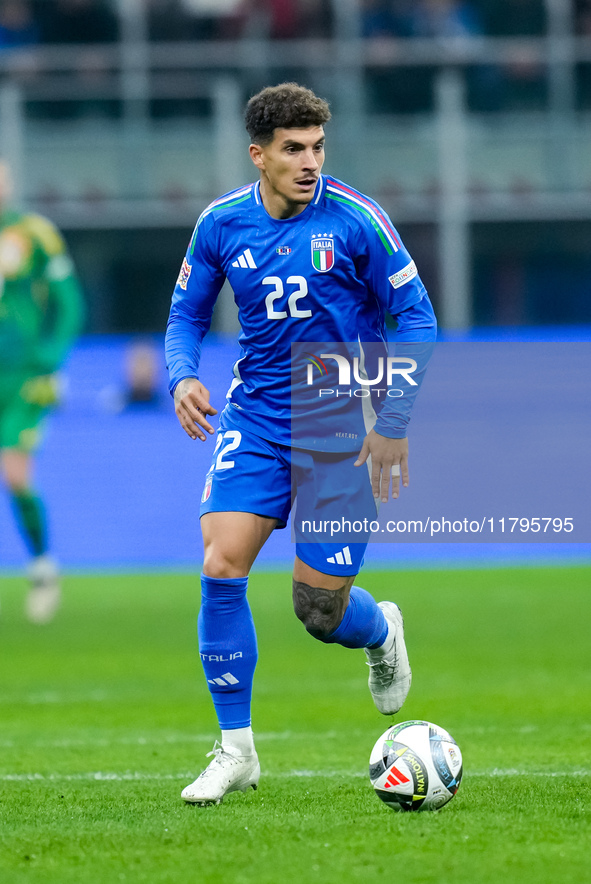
(191, 404)
(198, 285)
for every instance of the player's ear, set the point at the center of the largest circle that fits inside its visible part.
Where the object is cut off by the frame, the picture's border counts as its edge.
(256, 155)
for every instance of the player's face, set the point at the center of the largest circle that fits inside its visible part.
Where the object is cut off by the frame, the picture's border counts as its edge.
(290, 167)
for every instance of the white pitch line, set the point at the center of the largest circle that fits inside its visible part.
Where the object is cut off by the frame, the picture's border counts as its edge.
(159, 740)
(44, 698)
(137, 776)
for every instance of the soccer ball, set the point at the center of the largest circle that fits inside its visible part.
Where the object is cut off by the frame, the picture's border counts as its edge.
(415, 765)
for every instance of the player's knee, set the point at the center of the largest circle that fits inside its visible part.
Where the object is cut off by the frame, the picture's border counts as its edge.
(17, 483)
(320, 610)
(223, 564)
(15, 469)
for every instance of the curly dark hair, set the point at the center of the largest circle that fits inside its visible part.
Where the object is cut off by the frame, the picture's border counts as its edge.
(286, 106)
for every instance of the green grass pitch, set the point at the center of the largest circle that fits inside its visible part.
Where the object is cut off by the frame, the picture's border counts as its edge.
(104, 717)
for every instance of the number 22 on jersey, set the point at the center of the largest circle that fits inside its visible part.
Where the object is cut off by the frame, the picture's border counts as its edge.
(278, 294)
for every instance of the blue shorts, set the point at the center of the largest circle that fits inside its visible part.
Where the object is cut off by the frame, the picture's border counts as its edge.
(333, 499)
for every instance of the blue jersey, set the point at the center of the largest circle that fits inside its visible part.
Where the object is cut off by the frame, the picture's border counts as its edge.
(328, 274)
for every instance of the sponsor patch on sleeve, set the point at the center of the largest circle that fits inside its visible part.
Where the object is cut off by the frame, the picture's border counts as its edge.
(184, 274)
(407, 273)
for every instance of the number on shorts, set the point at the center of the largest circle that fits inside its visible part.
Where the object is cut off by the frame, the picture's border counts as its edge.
(234, 439)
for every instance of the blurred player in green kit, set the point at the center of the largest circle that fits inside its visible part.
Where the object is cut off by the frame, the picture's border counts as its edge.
(40, 316)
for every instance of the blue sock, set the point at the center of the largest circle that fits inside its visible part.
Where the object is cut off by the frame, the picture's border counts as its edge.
(363, 624)
(228, 648)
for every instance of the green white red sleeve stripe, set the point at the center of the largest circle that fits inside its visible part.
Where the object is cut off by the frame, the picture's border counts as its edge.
(355, 199)
(229, 199)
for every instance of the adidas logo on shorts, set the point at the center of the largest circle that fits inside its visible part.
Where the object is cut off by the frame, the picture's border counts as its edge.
(341, 558)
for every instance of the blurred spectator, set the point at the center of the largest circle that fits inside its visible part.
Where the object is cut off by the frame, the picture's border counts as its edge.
(524, 81)
(226, 19)
(583, 71)
(444, 18)
(17, 25)
(583, 17)
(411, 90)
(86, 22)
(273, 19)
(384, 18)
(459, 18)
(142, 374)
(512, 18)
(316, 18)
(214, 19)
(169, 20)
(142, 385)
(78, 21)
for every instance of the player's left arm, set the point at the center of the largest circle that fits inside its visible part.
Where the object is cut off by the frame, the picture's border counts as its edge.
(387, 442)
(59, 291)
(393, 278)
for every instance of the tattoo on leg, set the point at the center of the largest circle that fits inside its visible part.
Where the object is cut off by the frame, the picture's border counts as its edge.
(320, 610)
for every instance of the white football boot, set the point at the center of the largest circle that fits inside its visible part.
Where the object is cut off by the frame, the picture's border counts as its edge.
(45, 595)
(227, 772)
(389, 669)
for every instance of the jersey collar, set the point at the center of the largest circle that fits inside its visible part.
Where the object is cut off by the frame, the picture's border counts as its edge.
(320, 188)
(318, 193)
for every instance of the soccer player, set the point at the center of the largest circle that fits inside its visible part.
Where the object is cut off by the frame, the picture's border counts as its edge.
(266, 239)
(40, 316)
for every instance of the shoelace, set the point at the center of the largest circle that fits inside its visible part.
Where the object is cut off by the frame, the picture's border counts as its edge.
(383, 671)
(220, 755)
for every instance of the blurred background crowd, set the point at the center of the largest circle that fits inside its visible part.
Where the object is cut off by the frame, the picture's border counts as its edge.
(470, 120)
(25, 22)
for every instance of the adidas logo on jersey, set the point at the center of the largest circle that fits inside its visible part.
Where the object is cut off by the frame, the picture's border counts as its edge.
(341, 558)
(224, 680)
(245, 260)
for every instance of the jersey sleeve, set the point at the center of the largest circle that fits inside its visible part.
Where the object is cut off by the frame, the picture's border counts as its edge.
(385, 265)
(393, 278)
(198, 285)
(64, 306)
(413, 347)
